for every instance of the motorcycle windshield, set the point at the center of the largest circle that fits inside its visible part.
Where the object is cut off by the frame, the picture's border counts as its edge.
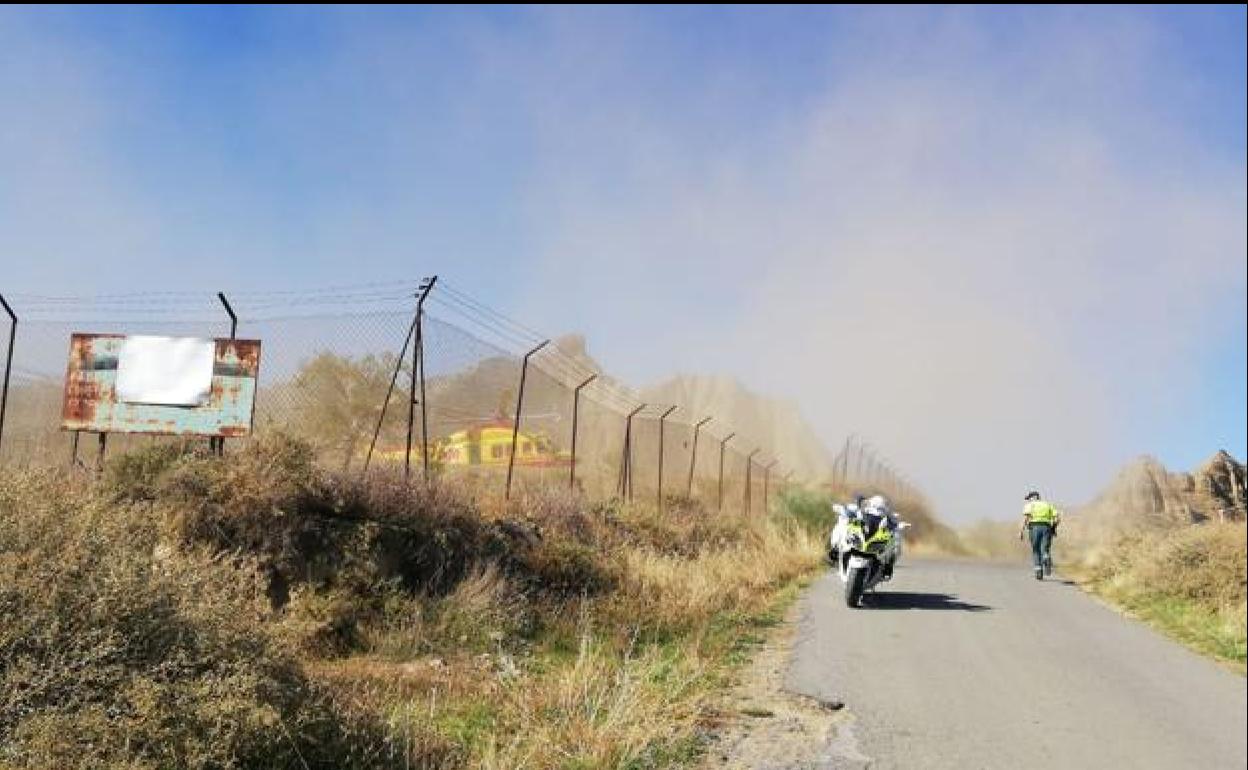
(871, 524)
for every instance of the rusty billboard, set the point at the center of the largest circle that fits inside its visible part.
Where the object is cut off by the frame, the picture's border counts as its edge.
(116, 383)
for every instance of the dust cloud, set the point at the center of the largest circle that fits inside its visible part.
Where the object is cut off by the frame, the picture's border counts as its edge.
(1006, 247)
(1003, 276)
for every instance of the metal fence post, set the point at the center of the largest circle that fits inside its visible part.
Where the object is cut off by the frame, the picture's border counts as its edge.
(719, 505)
(8, 364)
(845, 461)
(767, 486)
(216, 444)
(417, 372)
(662, 419)
(515, 428)
(411, 402)
(230, 312)
(626, 457)
(693, 454)
(859, 462)
(576, 410)
(420, 353)
(749, 470)
(102, 438)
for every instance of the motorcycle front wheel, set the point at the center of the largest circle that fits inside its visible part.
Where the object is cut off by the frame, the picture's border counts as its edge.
(854, 581)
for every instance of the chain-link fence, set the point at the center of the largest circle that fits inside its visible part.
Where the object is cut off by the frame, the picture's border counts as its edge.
(350, 370)
(859, 469)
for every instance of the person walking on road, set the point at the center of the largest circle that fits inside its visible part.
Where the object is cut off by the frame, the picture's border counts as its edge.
(1040, 520)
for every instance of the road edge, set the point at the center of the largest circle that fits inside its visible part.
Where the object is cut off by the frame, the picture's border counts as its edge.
(758, 722)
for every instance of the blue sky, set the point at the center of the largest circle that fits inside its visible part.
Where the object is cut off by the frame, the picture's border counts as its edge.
(1027, 225)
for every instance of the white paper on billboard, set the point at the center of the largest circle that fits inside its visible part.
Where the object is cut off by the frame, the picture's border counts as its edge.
(173, 371)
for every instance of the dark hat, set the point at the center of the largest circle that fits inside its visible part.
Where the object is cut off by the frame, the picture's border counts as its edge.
(1032, 495)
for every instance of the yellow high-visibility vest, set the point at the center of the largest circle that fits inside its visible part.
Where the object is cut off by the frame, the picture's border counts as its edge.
(1041, 512)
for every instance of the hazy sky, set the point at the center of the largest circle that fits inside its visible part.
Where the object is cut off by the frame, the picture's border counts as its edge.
(1007, 245)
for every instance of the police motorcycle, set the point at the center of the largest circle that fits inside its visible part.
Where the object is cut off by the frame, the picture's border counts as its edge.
(864, 546)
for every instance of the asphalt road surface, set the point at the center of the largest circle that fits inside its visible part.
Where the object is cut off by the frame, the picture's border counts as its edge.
(965, 665)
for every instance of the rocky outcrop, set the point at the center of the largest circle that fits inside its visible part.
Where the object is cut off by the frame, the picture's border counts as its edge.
(1147, 496)
(1220, 487)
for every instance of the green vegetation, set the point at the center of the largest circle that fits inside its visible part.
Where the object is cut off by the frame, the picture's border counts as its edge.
(813, 509)
(1188, 581)
(190, 611)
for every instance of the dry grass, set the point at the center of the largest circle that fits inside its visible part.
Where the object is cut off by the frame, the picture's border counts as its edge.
(1188, 581)
(673, 592)
(117, 650)
(258, 611)
(615, 681)
(604, 710)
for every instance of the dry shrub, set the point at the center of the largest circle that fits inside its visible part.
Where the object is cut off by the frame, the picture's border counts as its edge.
(485, 611)
(664, 592)
(645, 652)
(608, 709)
(1204, 563)
(682, 530)
(682, 527)
(115, 651)
(345, 533)
(136, 476)
(305, 526)
(323, 624)
(229, 570)
(562, 569)
(1190, 580)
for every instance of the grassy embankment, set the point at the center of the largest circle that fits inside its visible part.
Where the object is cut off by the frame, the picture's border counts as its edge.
(1189, 582)
(187, 611)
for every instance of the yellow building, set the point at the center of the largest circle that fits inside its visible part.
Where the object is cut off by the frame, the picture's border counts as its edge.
(488, 444)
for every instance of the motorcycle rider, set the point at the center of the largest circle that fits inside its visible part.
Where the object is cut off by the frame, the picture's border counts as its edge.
(877, 505)
(880, 506)
(1040, 520)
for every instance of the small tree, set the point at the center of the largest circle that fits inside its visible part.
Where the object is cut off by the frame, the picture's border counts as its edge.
(341, 398)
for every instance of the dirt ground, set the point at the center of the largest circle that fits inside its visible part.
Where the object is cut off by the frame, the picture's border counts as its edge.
(764, 727)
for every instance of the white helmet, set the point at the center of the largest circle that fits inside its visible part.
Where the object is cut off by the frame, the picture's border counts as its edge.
(878, 503)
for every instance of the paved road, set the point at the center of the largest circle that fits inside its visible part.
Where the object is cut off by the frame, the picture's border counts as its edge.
(965, 665)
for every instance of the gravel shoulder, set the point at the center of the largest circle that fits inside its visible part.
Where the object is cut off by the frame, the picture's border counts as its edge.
(762, 725)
